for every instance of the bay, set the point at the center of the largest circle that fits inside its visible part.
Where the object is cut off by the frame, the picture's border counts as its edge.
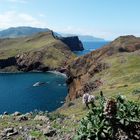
(17, 92)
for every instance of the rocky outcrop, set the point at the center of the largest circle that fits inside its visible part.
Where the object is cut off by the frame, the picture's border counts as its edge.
(82, 69)
(73, 42)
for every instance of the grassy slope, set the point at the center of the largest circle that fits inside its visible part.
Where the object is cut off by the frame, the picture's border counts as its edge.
(11, 47)
(55, 52)
(122, 77)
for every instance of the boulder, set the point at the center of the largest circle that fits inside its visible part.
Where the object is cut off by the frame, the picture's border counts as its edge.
(9, 132)
(5, 113)
(12, 133)
(22, 118)
(17, 113)
(49, 132)
(31, 138)
(41, 118)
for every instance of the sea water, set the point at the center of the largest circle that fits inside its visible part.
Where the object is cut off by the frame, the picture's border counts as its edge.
(91, 46)
(17, 92)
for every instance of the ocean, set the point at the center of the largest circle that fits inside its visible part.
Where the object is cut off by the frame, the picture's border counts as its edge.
(91, 46)
(17, 92)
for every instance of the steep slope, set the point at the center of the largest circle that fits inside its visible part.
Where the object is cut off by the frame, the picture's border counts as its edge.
(42, 51)
(117, 62)
(73, 42)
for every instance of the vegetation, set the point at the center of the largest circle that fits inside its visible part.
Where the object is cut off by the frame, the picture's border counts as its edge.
(105, 120)
(122, 76)
(42, 48)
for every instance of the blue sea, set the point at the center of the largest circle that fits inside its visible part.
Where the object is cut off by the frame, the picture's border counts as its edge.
(18, 94)
(91, 46)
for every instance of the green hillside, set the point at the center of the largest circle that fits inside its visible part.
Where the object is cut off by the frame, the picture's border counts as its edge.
(122, 77)
(41, 48)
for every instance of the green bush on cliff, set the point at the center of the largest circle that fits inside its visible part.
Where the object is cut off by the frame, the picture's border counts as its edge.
(105, 120)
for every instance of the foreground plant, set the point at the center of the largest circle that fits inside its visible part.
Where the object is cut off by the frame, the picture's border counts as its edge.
(110, 120)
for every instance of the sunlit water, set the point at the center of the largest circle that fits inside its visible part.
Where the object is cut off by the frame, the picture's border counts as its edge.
(91, 46)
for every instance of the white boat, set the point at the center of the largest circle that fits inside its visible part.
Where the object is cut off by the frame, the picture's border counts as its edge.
(38, 84)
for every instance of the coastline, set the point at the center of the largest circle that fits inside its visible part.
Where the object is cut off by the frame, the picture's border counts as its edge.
(58, 73)
(20, 72)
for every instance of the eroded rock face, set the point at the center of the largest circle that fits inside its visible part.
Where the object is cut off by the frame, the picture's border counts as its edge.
(31, 61)
(82, 69)
(80, 84)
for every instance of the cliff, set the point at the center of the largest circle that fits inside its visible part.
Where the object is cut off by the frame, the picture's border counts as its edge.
(73, 42)
(85, 72)
(42, 51)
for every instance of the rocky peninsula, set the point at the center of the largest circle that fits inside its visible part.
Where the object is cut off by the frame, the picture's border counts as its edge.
(40, 52)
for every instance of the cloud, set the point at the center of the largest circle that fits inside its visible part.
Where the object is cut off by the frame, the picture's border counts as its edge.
(13, 19)
(42, 15)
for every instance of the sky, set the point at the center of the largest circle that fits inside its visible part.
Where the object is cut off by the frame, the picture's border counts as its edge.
(106, 19)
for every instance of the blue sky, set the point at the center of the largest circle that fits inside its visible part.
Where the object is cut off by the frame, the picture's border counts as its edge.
(101, 18)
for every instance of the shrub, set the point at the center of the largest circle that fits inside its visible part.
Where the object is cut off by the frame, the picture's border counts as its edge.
(105, 119)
